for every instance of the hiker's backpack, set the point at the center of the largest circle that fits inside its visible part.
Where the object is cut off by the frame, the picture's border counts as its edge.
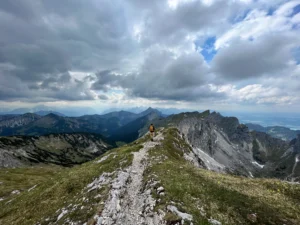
(151, 128)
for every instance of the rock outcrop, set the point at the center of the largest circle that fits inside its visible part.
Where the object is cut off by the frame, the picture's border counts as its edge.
(61, 149)
(224, 144)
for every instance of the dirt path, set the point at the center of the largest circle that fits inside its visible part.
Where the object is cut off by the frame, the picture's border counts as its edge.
(128, 203)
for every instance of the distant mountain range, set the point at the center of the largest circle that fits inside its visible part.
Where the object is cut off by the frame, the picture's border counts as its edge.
(44, 110)
(136, 128)
(283, 133)
(221, 143)
(164, 111)
(80, 111)
(110, 124)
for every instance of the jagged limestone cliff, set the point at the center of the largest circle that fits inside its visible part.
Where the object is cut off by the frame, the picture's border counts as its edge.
(225, 145)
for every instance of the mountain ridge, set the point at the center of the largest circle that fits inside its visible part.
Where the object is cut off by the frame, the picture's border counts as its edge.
(53, 123)
(154, 183)
(228, 146)
(224, 143)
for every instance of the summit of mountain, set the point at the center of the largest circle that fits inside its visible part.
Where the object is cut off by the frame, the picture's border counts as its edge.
(45, 112)
(150, 110)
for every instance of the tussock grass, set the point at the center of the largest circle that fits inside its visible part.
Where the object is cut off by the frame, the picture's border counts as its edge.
(22, 179)
(66, 189)
(226, 198)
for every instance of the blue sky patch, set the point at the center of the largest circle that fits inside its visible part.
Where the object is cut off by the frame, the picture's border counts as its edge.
(208, 48)
(296, 10)
(296, 54)
(271, 11)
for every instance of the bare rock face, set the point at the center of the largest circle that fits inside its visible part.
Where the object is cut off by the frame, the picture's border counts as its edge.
(214, 140)
(61, 149)
(287, 166)
(223, 144)
(8, 122)
(7, 160)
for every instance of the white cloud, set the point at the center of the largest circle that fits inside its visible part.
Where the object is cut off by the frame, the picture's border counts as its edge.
(256, 94)
(287, 9)
(258, 23)
(149, 52)
(270, 55)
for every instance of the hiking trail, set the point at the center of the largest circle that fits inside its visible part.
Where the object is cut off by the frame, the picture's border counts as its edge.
(128, 203)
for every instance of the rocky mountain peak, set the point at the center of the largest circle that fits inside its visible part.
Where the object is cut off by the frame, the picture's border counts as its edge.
(150, 110)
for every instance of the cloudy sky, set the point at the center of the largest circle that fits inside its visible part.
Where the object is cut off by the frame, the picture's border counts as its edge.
(220, 54)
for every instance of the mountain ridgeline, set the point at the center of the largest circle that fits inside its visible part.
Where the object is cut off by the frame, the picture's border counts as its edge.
(219, 143)
(223, 144)
(31, 124)
(160, 182)
(198, 170)
(31, 139)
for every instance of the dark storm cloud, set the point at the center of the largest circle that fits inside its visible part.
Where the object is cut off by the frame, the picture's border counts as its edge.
(245, 59)
(20, 8)
(53, 82)
(146, 48)
(163, 76)
(103, 97)
(60, 86)
(170, 26)
(41, 40)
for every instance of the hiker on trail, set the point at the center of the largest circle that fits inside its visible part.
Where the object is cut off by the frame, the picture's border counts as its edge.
(152, 130)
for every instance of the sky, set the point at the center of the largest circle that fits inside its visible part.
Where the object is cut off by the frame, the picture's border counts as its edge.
(227, 55)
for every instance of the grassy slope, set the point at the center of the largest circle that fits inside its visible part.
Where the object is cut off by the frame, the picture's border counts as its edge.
(229, 199)
(66, 189)
(22, 179)
(202, 193)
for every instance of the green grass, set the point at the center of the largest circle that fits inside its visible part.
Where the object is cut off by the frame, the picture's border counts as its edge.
(226, 198)
(203, 194)
(65, 189)
(120, 143)
(52, 145)
(24, 178)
